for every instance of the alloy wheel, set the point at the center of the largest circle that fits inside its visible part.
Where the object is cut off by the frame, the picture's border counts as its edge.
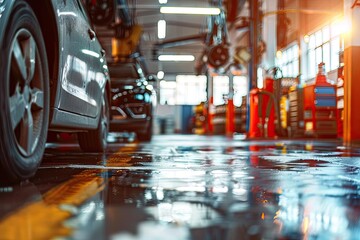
(26, 92)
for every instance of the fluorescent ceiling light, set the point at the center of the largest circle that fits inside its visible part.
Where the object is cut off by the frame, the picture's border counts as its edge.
(162, 1)
(190, 10)
(177, 58)
(161, 29)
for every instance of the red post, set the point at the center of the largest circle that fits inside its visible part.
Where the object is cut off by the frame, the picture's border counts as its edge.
(230, 117)
(211, 110)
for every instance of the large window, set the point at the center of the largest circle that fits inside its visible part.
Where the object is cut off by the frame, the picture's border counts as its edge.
(167, 92)
(241, 88)
(324, 46)
(190, 89)
(288, 61)
(186, 90)
(221, 89)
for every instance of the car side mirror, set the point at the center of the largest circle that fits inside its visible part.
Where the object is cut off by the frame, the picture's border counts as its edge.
(151, 78)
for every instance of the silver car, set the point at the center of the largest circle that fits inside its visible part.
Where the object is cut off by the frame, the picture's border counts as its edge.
(53, 77)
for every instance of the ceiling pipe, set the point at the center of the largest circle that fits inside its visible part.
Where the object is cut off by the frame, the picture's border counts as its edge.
(181, 41)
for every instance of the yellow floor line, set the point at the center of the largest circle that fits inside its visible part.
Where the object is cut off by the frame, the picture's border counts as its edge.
(44, 219)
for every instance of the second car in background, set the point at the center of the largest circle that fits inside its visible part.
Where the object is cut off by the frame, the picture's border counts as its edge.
(133, 99)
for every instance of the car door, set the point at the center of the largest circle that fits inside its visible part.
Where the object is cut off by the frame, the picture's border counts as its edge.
(97, 66)
(98, 70)
(76, 34)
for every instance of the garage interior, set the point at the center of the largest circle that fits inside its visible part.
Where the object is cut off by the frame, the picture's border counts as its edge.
(255, 129)
(292, 38)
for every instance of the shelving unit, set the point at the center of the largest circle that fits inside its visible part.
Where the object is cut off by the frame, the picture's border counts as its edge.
(320, 110)
(296, 112)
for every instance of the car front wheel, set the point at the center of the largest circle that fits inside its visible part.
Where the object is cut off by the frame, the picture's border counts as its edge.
(24, 95)
(147, 135)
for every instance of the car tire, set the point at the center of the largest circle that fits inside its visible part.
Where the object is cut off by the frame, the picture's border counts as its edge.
(96, 140)
(146, 137)
(24, 95)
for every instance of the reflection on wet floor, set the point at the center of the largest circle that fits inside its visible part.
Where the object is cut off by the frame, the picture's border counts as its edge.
(190, 187)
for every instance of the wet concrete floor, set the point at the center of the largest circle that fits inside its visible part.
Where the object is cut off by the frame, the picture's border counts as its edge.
(189, 187)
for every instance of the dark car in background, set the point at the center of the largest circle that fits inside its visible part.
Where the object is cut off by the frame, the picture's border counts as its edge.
(53, 76)
(133, 99)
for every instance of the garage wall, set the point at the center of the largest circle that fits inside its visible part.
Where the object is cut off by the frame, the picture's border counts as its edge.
(314, 14)
(334, 8)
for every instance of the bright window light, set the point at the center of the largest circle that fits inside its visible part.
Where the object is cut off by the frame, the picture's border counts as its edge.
(260, 80)
(221, 89)
(162, 1)
(190, 89)
(160, 74)
(346, 26)
(161, 29)
(177, 58)
(342, 26)
(190, 10)
(167, 92)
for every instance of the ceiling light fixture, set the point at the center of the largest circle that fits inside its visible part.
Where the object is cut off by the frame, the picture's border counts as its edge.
(160, 74)
(306, 38)
(176, 58)
(163, 1)
(190, 10)
(161, 29)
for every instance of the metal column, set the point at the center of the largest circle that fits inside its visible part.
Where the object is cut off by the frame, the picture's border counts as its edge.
(352, 73)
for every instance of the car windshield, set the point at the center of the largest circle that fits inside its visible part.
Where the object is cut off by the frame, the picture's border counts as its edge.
(124, 71)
